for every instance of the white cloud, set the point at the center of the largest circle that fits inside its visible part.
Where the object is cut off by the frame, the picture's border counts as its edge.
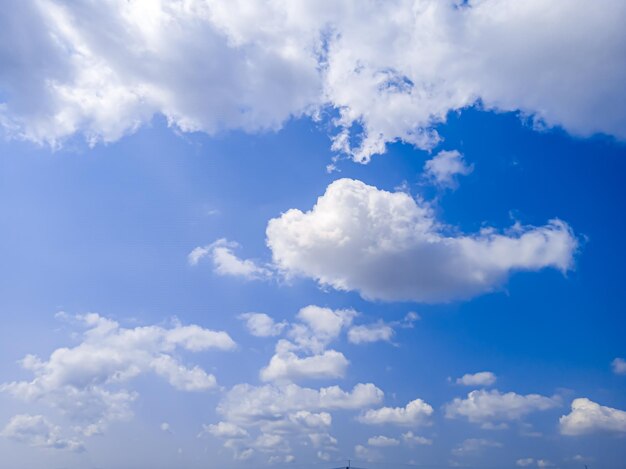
(544, 463)
(283, 414)
(394, 71)
(288, 366)
(482, 378)
(165, 427)
(84, 381)
(315, 328)
(411, 439)
(245, 404)
(589, 417)
(525, 462)
(262, 325)
(37, 431)
(619, 366)
(474, 445)
(444, 168)
(382, 441)
(225, 430)
(489, 407)
(225, 262)
(416, 412)
(370, 333)
(389, 246)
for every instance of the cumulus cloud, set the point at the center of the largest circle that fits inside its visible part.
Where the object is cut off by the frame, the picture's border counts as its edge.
(370, 333)
(382, 441)
(444, 168)
(84, 381)
(416, 412)
(525, 462)
(285, 365)
(411, 439)
(619, 366)
(388, 72)
(282, 414)
(225, 262)
(489, 407)
(589, 417)
(37, 431)
(482, 378)
(390, 246)
(262, 325)
(314, 329)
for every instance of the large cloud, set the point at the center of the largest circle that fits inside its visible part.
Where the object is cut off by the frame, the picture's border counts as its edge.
(492, 407)
(589, 417)
(389, 246)
(84, 381)
(393, 69)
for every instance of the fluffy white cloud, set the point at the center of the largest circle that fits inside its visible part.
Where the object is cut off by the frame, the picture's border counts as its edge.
(482, 378)
(487, 407)
(84, 381)
(245, 404)
(525, 462)
(443, 168)
(382, 441)
(392, 70)
(315, 328)
(288, 366)
(283, 414)
(225, 262)
(416, 412)
(411, 439)
(389, 246)
(262, 325)
(367, 454)
(370, 333)
(619, 366)
(37, 431)
(225, 430)
(589, 417)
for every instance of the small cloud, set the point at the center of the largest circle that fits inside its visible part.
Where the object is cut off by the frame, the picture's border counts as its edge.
(226, 263)
(482, 378)
(619, 366)
(444, 168)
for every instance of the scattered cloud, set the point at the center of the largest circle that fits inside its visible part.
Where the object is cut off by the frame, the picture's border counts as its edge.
(286, 365)
(474, 445)
(410, 439)
(444, 167)
(491, 407)
(225, 262)
(416, 412)
(619, 366)
(525, 462)
(482, 378)
(37, 431)
(262, 325)
(382, 441)
(390, 246)
(365, 334)
(84, 381)
(589, 417)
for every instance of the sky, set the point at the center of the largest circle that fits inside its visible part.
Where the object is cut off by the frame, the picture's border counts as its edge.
(279, 233)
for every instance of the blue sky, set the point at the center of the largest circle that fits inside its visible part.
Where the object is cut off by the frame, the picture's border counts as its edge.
(270, 236)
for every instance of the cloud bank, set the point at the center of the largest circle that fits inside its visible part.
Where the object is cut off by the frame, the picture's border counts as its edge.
(385, 72)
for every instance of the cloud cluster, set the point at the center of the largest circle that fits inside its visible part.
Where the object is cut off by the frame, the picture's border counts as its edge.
(37, 431)
(387, 71)
(84, 381)
(389, 246)
(415, 413)
(493, 407)
(269, 418)
(589, 417)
